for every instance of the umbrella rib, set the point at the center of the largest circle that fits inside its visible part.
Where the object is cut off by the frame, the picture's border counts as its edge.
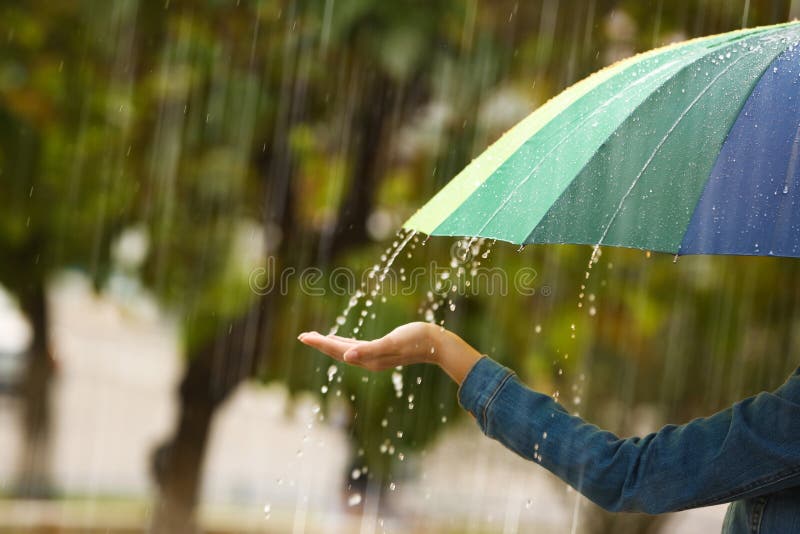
(664, 140)
(566, 137)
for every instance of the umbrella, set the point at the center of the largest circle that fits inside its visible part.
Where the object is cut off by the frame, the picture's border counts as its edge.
(687, 149)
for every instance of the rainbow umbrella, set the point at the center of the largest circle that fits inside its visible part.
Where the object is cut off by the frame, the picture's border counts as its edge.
(687, 149)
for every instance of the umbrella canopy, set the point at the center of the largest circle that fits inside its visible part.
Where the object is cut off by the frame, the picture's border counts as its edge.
(688, 149)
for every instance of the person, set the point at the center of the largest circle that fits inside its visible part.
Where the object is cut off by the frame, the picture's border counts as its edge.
(748, 454)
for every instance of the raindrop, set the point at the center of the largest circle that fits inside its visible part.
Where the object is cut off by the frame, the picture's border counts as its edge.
(596, 253)
(354, 499)
(397, 382)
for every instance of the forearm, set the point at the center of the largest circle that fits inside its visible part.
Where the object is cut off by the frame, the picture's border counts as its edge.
(749, 448)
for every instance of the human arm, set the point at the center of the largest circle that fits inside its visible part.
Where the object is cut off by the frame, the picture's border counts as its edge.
(752, 448)
(749, 449)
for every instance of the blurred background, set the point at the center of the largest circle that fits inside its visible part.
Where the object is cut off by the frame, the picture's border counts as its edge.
(186, 185)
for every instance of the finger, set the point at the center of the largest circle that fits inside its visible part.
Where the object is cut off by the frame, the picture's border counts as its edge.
(341, 338)
(370, 349)
(332, 347)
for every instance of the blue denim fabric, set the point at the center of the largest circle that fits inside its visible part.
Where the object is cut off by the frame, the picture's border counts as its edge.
(748, 454)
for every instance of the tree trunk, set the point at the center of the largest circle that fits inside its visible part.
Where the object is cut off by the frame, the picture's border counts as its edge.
(228, 359)
(213, 372)
(368, 157)
(178, 469)
(33, 476)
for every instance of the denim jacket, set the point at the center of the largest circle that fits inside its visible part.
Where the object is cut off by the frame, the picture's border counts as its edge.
(748, 454)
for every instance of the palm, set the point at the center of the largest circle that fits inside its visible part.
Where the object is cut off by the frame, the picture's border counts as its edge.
(406, 344)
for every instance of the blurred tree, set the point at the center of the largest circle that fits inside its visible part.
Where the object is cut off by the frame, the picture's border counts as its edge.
(227, 348)
(66, 191)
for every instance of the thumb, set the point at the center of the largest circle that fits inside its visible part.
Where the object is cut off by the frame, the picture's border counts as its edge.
(369, 349)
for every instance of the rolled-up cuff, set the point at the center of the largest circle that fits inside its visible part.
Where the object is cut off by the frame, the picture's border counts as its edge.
(481, 386)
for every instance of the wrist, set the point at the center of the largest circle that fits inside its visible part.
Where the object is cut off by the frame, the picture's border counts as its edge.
(435, 334)
(452, 354)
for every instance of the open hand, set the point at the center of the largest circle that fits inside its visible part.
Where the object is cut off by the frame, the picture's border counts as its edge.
(407, 344)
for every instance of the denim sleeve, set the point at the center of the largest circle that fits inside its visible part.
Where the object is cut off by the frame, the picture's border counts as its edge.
(749, 449)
